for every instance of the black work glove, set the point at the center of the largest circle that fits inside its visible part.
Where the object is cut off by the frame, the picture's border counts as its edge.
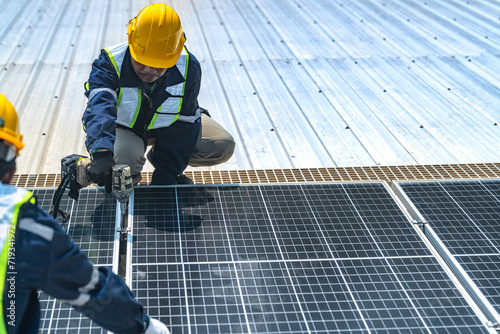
(100, 169)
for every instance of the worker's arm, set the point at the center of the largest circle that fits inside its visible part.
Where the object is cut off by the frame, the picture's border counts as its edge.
(99, 118)
(47, 259)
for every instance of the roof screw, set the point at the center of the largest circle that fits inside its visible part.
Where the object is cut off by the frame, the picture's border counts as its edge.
(421, 126)
(347, 127)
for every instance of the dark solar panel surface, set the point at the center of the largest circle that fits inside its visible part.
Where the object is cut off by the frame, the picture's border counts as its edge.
(91, 226)
(466, 217)
(322, 258)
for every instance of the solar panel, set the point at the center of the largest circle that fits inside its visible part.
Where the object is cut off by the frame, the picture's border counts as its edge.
(465, 215)
(92, 227)
(91, 224)
(309, 258)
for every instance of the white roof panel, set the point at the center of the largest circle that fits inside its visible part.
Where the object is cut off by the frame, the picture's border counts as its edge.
(299, 84)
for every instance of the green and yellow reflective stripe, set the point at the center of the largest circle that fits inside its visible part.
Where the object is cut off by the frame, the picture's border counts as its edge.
(4, 256)
(137, 109)
(184, 85)
(113, 61)
(120, 95)
(150, 126)
(115, 65)
(154, 118)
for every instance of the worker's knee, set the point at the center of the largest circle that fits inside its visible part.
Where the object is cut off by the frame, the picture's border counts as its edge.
(129, 150)
(212, 152)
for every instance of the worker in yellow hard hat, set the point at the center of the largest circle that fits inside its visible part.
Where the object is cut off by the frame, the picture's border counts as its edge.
(145, 92)
(37, 254)
(11, 141)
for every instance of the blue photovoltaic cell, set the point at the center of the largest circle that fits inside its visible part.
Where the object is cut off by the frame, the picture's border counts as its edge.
(485, 271)
(322, 258)
(466, 217)
(91, 226)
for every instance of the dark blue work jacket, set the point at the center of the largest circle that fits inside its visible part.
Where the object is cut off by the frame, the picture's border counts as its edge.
(99, 118)
(46, 259)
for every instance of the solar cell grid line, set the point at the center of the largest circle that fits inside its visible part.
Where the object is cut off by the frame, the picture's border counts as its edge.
(356, 196)
(471, 221)
(397, 280)
(156, 224)
(92, 227)
(159, 285)
(366, 211)
(57, 317)
(246, 290)
(245, 216)
(91, 224)
(465, 217)
(485, 271)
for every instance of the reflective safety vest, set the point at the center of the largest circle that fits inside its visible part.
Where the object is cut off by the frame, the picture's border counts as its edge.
(130, 98)
(11, 200)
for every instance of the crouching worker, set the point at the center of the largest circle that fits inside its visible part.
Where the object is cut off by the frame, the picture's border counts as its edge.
(36, 254)
(145, 92)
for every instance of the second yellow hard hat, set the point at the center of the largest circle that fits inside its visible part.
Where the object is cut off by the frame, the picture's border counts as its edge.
(9, 127)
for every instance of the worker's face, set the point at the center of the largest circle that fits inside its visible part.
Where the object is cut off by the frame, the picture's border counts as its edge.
(146, 73)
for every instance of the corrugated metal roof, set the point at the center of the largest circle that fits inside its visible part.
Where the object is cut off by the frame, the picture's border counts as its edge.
(299, 84)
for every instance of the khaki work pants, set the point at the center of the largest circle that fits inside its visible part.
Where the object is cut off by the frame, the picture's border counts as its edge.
(214, 146)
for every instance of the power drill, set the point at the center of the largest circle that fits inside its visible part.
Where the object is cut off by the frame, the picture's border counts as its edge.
(121, 185)
(74, 177)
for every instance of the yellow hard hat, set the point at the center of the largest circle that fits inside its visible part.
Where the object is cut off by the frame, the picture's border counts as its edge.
(155, 36)
(9, 130)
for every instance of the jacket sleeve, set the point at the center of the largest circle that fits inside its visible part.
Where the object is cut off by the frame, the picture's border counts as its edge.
(99, 118)
(50, 261)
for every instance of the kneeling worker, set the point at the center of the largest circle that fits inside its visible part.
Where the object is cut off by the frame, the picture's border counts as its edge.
(36, 254)
(145, 92)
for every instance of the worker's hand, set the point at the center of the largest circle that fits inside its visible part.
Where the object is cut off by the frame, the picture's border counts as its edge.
(156, 327)
(100, 169)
